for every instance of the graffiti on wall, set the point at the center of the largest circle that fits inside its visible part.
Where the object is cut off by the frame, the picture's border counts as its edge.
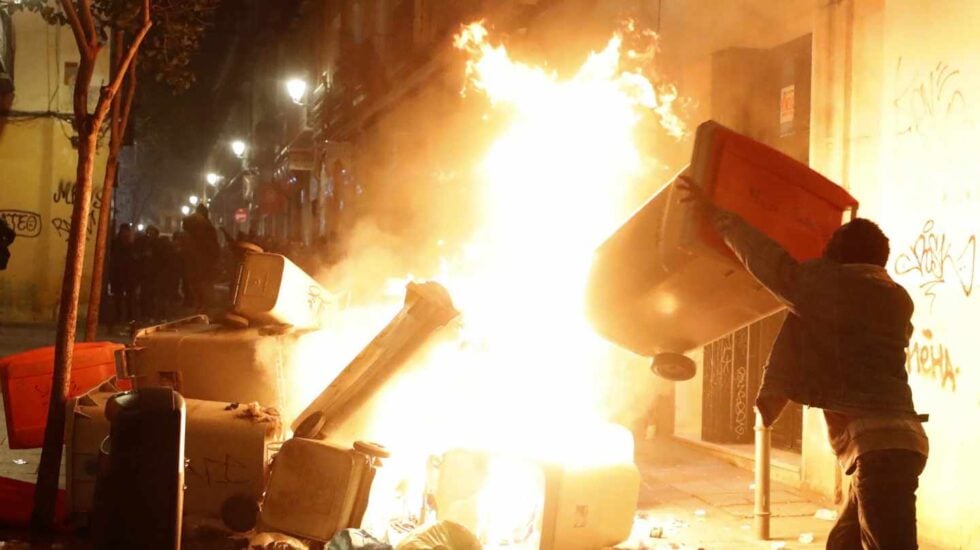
(937, 261)
(928, 358)
(24, 223)
(65, 194)
(927, 100)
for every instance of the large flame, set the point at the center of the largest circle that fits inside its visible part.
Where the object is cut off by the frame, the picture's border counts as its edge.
(525, 376)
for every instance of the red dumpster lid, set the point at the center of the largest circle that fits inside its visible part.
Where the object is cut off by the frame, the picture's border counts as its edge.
(751, 152)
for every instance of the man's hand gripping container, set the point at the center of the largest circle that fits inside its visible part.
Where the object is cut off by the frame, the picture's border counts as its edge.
(665, 282)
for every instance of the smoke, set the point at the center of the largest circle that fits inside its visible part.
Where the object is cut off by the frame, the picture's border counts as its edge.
(419, 206)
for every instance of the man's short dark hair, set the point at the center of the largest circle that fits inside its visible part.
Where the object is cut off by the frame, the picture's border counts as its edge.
(860, 241)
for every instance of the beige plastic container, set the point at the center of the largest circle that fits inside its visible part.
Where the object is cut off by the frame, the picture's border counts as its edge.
(207, 361)
(225, 451)
(580, 508)
(273, 290)
(317, 489)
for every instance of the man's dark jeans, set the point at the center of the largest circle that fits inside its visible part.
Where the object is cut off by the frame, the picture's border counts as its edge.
(880, 510)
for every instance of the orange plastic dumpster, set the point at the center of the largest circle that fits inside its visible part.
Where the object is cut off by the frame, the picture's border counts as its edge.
(25, 379)
(665, 282)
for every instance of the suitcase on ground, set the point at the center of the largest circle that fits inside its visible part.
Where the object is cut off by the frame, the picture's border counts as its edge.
(26, 382)
(226, 449)
(665, 282)
(273, 290)
(203, 360)
(139, 492)
(316, 488)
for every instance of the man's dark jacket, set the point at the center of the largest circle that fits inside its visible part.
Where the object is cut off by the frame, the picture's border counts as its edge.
(842, 347)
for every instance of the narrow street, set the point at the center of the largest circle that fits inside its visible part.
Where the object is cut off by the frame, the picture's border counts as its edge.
(414, 274)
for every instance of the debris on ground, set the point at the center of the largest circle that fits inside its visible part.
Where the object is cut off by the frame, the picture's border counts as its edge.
(806, 538)
(777, 544)
(356, 539)
(445, 534)
(700, 513)
(19, 461)
(826, 514)
(275, 541)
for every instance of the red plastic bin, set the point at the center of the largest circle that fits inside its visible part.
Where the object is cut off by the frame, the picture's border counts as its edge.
(665, 282)
(17, 502)
(25, 379)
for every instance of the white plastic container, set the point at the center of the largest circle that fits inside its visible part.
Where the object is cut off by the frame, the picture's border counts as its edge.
(273, 290)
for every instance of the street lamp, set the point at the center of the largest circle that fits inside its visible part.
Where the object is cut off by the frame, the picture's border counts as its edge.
(185, 210)
(238, 147)
(140, 227)
(296, 88)
(213, 178)
(193, 199)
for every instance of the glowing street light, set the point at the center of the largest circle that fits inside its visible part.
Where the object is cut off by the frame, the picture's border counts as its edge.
(296, 88)
(238, 147)
(140, 227)
(193, 199)
(213, 178)
(185, 210)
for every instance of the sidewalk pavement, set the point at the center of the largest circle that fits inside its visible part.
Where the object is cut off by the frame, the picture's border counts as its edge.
(700, 501)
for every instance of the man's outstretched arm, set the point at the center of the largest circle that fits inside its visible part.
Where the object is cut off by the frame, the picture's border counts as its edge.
(764, 258)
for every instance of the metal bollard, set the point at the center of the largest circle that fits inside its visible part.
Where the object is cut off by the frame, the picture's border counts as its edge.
(763, 442)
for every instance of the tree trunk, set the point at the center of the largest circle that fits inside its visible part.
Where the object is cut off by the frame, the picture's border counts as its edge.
(49, 469)
(101, 244)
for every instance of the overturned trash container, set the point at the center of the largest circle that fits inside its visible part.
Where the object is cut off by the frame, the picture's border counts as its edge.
(665, 282)
(273, 290)
(317, 489)
(428, 307)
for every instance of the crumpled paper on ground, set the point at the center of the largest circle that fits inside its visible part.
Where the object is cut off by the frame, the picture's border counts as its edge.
(258, 414)
(445, 535)
(275, 541)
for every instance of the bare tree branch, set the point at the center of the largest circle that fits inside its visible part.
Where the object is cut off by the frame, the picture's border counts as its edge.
(109, 91)
(88, 22)
(127, 105)
(76, 26)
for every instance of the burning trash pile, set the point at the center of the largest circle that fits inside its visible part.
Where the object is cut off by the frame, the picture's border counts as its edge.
(481, 388)
(473, 417)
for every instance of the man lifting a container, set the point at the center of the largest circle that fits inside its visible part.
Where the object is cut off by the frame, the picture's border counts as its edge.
(842, 349)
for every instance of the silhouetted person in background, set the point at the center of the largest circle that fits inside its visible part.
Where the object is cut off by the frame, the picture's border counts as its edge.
(124, 274)
(151, 264)
(7, 236)
(202, 256)
(842, 349)
(168, 298)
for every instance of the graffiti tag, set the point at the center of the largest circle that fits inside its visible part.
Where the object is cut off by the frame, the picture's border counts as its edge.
(24, 224)
(315, 300)
(226, 471)
(931, 360)
(931, 256)
(926, 99)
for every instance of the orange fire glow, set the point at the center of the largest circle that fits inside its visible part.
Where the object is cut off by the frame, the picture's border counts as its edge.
(526, 375)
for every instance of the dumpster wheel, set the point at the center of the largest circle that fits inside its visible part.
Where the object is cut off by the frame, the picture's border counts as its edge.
(673, 366)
